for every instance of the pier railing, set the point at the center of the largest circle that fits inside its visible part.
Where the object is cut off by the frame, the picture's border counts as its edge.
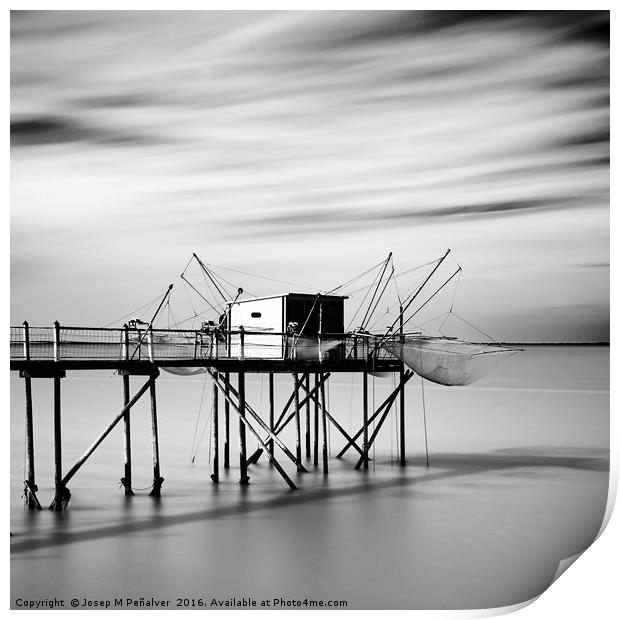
(58, 343)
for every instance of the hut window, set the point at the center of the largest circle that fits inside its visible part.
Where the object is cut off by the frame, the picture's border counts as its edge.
(256, 315)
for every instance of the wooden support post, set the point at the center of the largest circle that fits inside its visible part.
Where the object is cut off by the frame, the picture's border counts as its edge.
(260, 422)
(243, 465)
(126, 479)
(297, 422)
(227, 425)
(157, 479)
(108, 430)
(316, 423)
(306, 379)
(324, 425)
(61, 493)
(241, 413)
(30, 487)
(365, 418)
(403, 460)
(388, 402)
(271, 413)
(215, 476)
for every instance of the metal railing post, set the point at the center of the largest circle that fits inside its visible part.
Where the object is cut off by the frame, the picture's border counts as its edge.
(241, 342)
(56, 341)
(26, 341)
(149, 340)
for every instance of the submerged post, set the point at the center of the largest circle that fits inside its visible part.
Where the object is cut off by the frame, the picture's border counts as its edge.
(403, 461)
(157, 479)
(243, 464)
(61, 493)
(226, 423)
(324, 425)
(308, 439)
(316, 422)
(30, 487)
(126, 479)
(215, 476)
(271, 413)
(297, 422)
(365, 416)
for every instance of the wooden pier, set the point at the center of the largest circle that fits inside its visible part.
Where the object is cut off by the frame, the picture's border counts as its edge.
(51, 352)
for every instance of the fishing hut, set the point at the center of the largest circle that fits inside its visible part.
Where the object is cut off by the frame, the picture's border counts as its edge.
(296, 335)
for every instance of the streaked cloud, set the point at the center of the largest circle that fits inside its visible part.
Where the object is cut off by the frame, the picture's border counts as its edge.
(243, 134)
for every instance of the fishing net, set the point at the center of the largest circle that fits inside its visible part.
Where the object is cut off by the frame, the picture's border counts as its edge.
(448, 361)
(184, 371)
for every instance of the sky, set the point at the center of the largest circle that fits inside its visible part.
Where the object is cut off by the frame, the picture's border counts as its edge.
(306, 146)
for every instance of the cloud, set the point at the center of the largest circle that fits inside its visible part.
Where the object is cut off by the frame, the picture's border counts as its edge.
(41, 130)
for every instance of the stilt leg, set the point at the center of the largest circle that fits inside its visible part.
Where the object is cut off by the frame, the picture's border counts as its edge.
(365, 414)
(324, 425)
(226, 425)
(403, 460)
(306, 380)
(243, 465)
(297, 422)
(126, 479)
(215, 476)
(61, 493)
(316, 423)
(30, 487)
(271, 413)
(157, 479)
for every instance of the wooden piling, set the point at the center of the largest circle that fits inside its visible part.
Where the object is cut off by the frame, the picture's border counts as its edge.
(324, 425)
(306, 380)
(297, 422)
(215, 476)
(271, 413)
(126, 480)
(403, 460)
(316, 423)
(226, 424)
(243, 465)
(365, 417)
(61, 493)
(157, 479)
(30, 487)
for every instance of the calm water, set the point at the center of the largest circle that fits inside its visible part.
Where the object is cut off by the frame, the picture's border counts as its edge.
(517, 481)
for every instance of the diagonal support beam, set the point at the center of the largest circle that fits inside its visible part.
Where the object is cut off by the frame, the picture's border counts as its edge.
(280, 426)
(338, 427)
(379, 424)
(109, 428)
(253, 413)
(388, 402)
(277, 465)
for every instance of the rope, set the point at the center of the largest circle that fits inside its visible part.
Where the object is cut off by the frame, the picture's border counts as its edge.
(254, 275)
(134, 312)
(476, 328)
